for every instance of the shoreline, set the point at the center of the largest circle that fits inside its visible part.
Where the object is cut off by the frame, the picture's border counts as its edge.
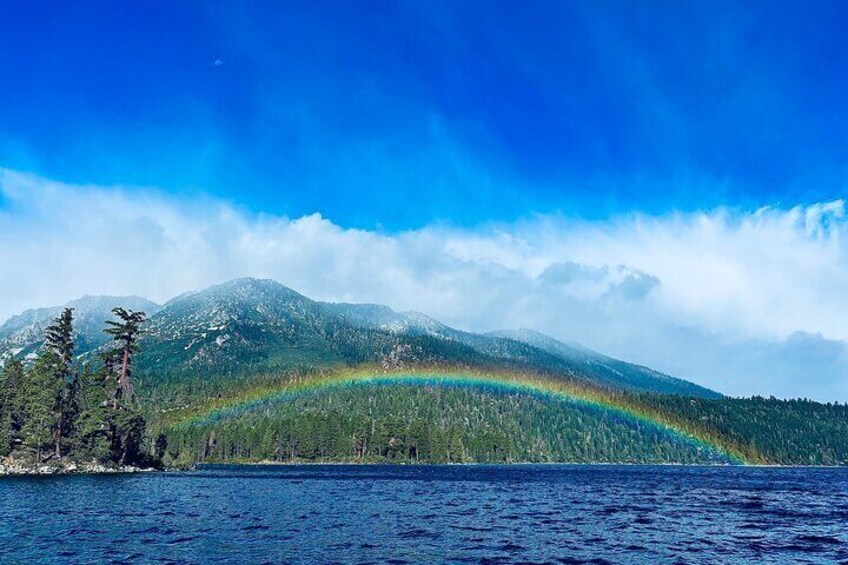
(14, 468)
(99, 469)
(514, 464)
(10, 467)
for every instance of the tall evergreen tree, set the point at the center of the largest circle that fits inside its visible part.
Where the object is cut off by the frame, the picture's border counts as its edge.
(126, 424)
(59, 340)
(125, 333)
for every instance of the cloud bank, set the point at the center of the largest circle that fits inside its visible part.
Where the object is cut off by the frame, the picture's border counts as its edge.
(747, 302)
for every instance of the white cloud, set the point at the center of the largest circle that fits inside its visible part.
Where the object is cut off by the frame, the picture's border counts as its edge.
(746, 302)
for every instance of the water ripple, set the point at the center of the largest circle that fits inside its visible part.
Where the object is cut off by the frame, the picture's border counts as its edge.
(415, 515)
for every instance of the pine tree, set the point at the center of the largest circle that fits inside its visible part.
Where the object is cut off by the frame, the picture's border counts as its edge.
(59, 340)
(126, 425)
(93, 425)
(13, 399)
(40, 393)
(126, 433)
(125, 333)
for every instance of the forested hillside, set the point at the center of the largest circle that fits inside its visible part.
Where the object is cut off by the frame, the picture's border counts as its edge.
(790, 432)
(145, 389)
(435, 423)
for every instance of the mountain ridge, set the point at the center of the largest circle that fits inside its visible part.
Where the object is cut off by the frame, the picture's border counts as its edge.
(250, 326)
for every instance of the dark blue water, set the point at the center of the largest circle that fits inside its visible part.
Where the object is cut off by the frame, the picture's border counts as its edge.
(382, 514)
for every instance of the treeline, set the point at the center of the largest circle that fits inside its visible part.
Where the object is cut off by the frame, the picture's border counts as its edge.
(787, 432)
(407, 423)
(56, 408)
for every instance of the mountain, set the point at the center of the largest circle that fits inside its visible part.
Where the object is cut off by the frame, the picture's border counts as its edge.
(249, 327)
(252, 326)
(23, 334)
(244, 371)
(243, 325)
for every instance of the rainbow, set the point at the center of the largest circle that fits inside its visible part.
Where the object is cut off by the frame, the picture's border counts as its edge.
(542, 387)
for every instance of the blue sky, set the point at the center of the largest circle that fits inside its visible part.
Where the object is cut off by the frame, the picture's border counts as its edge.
(661, 181)
(395, 115)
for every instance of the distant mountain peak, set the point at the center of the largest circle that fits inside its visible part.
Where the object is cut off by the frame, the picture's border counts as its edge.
(248, 284)
(239, 291)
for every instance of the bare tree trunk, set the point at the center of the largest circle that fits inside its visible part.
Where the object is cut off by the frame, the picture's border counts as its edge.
(122, 382)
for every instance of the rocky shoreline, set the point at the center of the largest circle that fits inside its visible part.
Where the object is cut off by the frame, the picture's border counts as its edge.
(13, 467)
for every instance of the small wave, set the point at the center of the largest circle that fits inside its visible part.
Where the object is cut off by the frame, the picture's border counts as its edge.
(418, 533)
(182, 540)
(511, 547)
(829, 540)
(255, 527)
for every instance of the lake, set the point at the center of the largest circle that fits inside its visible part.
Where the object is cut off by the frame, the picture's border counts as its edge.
(430, 514)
